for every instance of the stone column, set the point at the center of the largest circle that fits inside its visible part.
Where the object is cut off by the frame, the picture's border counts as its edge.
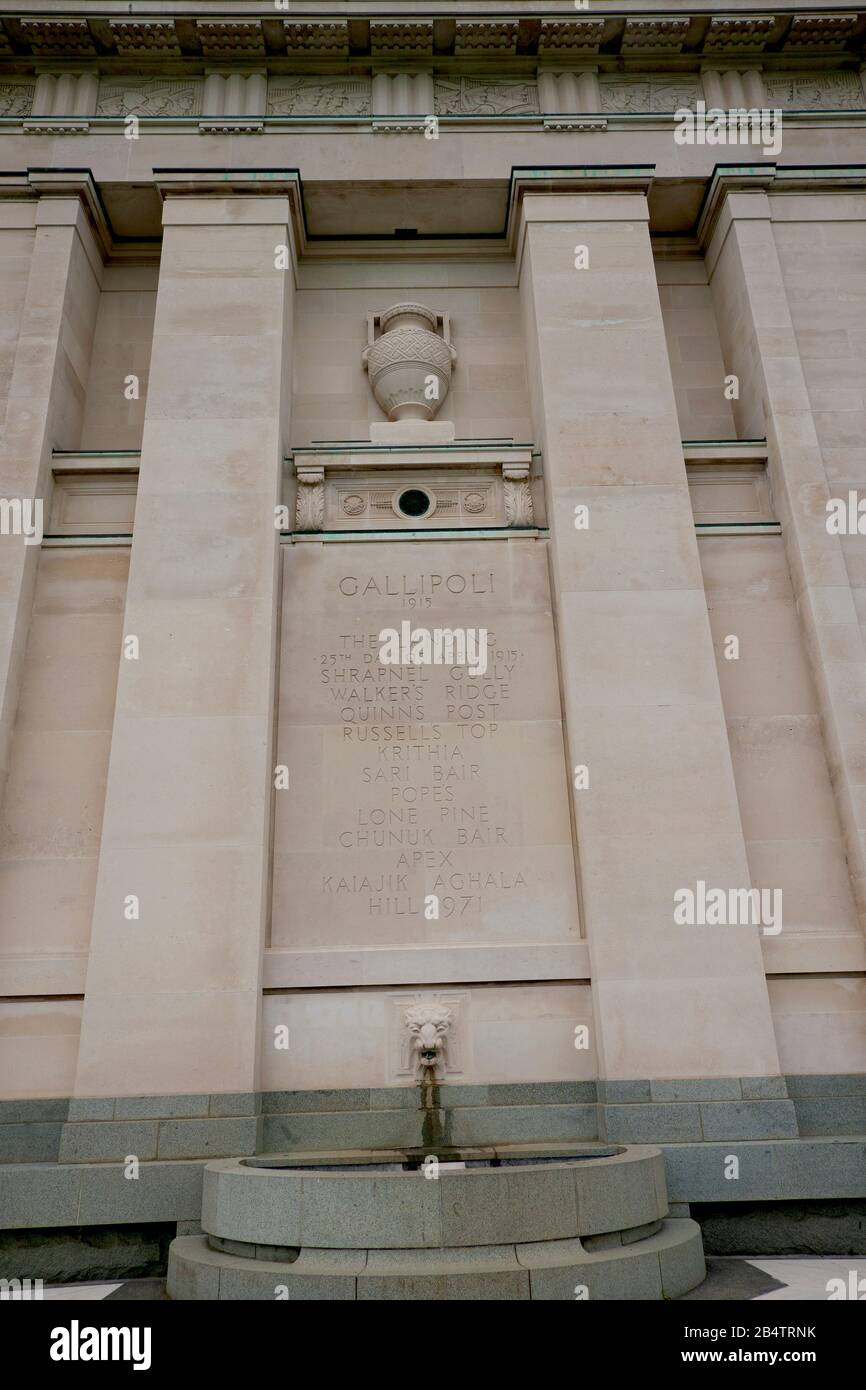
(174, 993)
(640, 687)
(760, 346)
(53, 251)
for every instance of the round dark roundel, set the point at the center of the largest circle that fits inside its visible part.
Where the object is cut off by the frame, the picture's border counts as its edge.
(413, 502)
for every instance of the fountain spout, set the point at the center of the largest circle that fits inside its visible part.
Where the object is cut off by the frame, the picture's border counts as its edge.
(428, 1024)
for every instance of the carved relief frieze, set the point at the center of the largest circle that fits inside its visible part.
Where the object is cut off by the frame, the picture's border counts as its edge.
(820, 91)
(372, 502)
(149, 96)
(319, 96)
(673, 93)
(16, 96)
(636, 95)
(483, 96)
(625, 95)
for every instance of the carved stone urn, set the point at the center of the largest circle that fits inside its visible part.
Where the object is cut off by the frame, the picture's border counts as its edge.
(409, 358)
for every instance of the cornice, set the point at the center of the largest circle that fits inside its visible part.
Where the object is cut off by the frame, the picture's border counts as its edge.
(772, 179)
(565, 179)
(186, 183)
(35, 183)
(111, 30)
(225, 183)
(230, 183)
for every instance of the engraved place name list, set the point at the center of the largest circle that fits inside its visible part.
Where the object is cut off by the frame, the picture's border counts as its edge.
(417, 783)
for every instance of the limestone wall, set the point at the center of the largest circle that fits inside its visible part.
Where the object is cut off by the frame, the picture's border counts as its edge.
(353, 1038)
(694, 349)
(700, 766)
(789, 816)
(115, 406)
(52, 812)
(824, 269)
(16, 248)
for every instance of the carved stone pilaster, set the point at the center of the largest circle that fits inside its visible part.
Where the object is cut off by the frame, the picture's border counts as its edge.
(66, 100)
(564, 96)
(518, 495)
(310, 505)
(234, 103)
(402, 101)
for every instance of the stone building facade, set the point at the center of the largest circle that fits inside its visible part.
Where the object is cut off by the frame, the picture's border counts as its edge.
(235, 849)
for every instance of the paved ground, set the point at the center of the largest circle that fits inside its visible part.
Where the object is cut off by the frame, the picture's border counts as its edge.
(753, 1278)
(774, 1279)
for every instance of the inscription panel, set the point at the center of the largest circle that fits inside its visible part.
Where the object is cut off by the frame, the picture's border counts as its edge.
(407, 782)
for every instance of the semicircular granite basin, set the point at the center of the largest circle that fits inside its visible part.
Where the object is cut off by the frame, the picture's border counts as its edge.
(410, 1160)
(514, 1222)
(392, 1200)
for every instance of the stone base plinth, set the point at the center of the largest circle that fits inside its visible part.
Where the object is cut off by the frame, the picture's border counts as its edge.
(415, 432)
(666, 1264)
